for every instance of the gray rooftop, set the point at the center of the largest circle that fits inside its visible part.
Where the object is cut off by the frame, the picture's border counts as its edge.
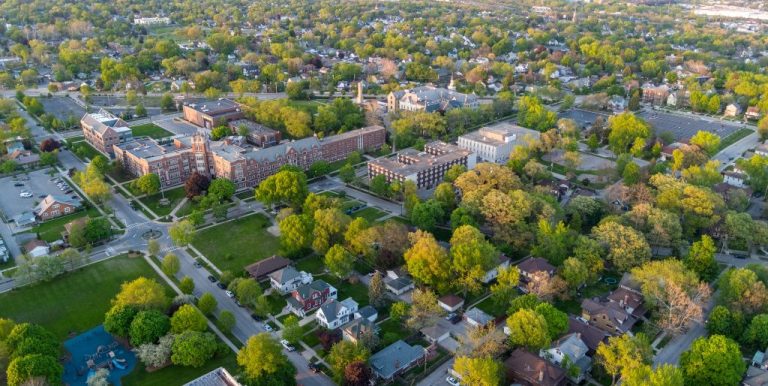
(394, 357)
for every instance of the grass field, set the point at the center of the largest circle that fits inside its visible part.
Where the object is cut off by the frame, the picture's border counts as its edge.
(370, 213)
(309, 106)
(177, 375)
(236, 244)
(357, 291)
(76, 301)
(84, 150)
(50, 231)
(150, 130)
(733, 138)
(174, 195)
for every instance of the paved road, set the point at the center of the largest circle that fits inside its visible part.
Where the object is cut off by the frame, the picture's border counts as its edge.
(734, 152)
(437, 377)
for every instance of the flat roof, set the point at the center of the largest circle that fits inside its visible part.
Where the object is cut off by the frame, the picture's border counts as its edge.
(220, 106)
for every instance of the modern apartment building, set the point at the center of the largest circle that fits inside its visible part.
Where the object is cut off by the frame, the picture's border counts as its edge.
(212, 113)
(495, 143)
(426, 168)
(236, 160)
(103, 130)
(429, 99)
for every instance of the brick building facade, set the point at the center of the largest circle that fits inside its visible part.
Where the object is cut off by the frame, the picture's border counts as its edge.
(103, 130)
(426, 168)
(212, 113)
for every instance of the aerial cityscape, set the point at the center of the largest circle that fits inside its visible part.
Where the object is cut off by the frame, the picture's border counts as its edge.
(383, 192)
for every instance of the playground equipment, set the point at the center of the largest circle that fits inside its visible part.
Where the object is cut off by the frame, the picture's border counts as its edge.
(117, 364)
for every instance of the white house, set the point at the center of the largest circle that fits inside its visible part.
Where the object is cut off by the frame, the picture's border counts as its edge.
(476, 317)
(288, 279)
(450, 303)
(493, 273)
(570, 346)
(333, 314)
(37, 248)
(734, 179)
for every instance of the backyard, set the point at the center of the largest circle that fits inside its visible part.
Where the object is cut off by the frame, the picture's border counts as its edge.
(150, 130)
(174, 197)
(50, 230)
(236, 244)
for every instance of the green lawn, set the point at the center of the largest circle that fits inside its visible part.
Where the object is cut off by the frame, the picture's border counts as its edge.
(178, 375)
(150, 130)
(50, 231)
(734, 137)
(84, 150)
(174, 195)
(370, 213)
(311, 339)
(357, 291)
(309, 106)
(76, 301)
(276, 303)
(489, 306)
(392, 331)
(312, 264)
(236, 244)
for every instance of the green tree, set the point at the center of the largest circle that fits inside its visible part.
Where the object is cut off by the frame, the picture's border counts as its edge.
(344, 353)
(532, 114)
(153, 247)
(379, 185)
(171, 264)
(664, 375)
(505, 288)
(427, 261)
(553, 242)
(248, 291)
(454, 172)
(220, 132)
(148, 327)
(227, 320)
(377, 290)
(347, 173)
(222, 189)
(707, 141)
(528, 329)
(557, 321)
(188, 318)
(445, 195)
(289, 186)
(207, 303)
(623, 352)
(757, 332)
(398, 310)
(627, 248)
(330, 226)
(426, 215)
(292, 332)
(574, 272)
(479, 371)
(193, 348)
(625, 129)
(701, 258)
(147, 184)
(21, 370)
(338, 261)
(118, 320)
(722, 321)
(715, 360)
(295, 234)
(472, 256)
(186, 285)
(143, 294)
(262, 358)
(182, 233)
(166, 102)
(631, 174)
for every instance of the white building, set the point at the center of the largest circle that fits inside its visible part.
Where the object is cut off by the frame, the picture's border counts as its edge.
(152, 20)
(333, 314)
(288, 279)
(495, 143)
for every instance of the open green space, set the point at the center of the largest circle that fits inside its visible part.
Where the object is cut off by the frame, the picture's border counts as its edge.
(50, 230)
(734, 137)
(174, 196)
(276, 303)
(309, 106)
(357, 291)
(76, 301)
(490, 307)
(83, 150)
(370, 213)
(236, 244)
(312, 264)
(178, 375)
(392, 331)
(150, 130)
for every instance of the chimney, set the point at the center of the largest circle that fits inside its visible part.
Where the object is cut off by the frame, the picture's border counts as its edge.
(541, 375)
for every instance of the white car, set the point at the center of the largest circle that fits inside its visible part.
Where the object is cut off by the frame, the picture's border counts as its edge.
(452, 381)
(25, 194)
(267, 328)
(230, 294)
(287, 345)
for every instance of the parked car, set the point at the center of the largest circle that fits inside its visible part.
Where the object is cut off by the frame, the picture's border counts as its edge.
(287, 345)
(221, 285)
(455, 319)
(268, 328)
(314, 367)
(452, 381)
(198, 265)
(18, 184)
(25, 195)
(211, 278)
(230, 294)
(256, 317)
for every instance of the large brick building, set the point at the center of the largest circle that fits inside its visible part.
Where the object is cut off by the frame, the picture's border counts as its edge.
(212, 113)
(103, 130)
(243, 164)
(426, 168)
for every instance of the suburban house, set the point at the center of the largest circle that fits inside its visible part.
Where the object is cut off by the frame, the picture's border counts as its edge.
(398, 282)
(437, 333)
(450, 303)
(25, 159)
(732, 110)
(607, 316)
(288, 279)
(54, 206)
(14, 144)
(476, 317)
(734, 178)
(367, 312)
(630, 301)
(590, 335)
(572, 347)
(310, 297)
(217, 377)
(37, 248)
(395, 359)
(524, 368)
(356, 329)
(532, 265)
(493, 273)
(333, 314)
(103, 130)
(430, 99)
(78, 222)
(617, 104)
(762, 149)
(752, 113)
(261, 269)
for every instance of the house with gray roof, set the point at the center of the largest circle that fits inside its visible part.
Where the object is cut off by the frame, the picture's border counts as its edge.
(356, 329)
(476, 317)
(367, 312)
(309, 297)
(569, 350)
(288, 279)
(333, 314)
(217, 377)
(396, 359)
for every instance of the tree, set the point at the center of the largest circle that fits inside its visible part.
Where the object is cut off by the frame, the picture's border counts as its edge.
(454, 172)
(357, 373)
(347, 173)
(701, 258)
(533, 115)
(424, 310)
(156, 355)
(445, 196)
(623, 352)
(757, 332)
(148, 327)
(707, 141)
(171, 264)
(338, 261)
(292, 332)
(262, 358)
(99, 378)
(472, 257)
(222, 189)
(505, 288)
(207, 303)
(553, 242)
(101, 164)
(50, 158)
(227, 320)
(715, 360)
(627, 248)
(92, 183)
(664, 375)
(193, 348)
(196, 184)
(182, 233)
(21, 370)
(188, 318)
(379, 185)
(295, 234)
(479, 371)
(289, 186)
(427, 261)
(398, 310)
(574, 272)
(143, 294)
(118, 320)
(426, 215)
(377, 290)
(248, 291)
(166, 102)
(330, 225)
(147, 184)
(528, 329)
(557, 321)
(625, 129)
(186, 285)
(631, 174)
(153, 247)
(741, 290)
(344, 353)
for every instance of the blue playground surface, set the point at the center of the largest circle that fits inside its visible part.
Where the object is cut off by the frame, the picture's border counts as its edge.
(93, 350)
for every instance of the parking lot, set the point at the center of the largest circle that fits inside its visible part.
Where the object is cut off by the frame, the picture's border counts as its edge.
(684, 127)
(38, 183)
(583, 118)
(62, 107)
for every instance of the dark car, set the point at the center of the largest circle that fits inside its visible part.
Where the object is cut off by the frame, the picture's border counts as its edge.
(18, 184)
(211, 278)
(455, 319)
(221, 285)
(198, 265)
(256, 317)
(314, 367)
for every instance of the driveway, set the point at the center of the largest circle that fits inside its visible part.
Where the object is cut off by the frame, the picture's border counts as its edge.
(437, 377)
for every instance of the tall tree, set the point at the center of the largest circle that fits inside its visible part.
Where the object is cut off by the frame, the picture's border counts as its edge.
(479, 371)
(339, 262)
(262, 359)
(528, 329)
(715, 360)
(141, 293)
(623, 352)
(701, 258)
(344, 353)
(376, 290)
(472, 257)
(182, 233)
(427, 261)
